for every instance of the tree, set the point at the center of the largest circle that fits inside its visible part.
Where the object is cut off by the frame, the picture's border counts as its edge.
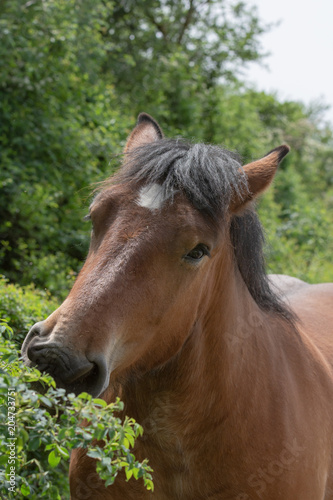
(177, 53)
(54, 137)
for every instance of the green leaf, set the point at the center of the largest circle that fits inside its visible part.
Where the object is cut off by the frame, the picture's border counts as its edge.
(149, 484)
(46, 401)
(126, 443)
(86, 435)
(62, 434)
(34, 443)
(137, 472)
(100, 402)
(53, 459)
(130, 438)
(25, 489)
(109, 481)
(129, 473)
(94, 454)
(62, 451)
(85, 396)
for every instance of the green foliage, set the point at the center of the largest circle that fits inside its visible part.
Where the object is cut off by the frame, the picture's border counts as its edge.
(73, 77)
(57, 134)
(174, 58)
(38, 431)
(23, 307)
(299, 236)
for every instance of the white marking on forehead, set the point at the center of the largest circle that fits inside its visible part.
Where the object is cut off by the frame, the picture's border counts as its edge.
(151, 197)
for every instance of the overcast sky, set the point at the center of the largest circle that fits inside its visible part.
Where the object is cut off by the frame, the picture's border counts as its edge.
(301, 51)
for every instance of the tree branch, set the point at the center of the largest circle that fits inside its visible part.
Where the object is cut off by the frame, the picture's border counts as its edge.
(186, 23)
(158, 25)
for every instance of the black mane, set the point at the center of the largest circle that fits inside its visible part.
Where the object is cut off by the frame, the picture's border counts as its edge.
(209, 176)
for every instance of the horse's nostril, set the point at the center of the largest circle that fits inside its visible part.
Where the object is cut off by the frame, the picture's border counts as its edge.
(70, 369)
(73, 372)
(35, 333)
(37, 329)
(34, 351)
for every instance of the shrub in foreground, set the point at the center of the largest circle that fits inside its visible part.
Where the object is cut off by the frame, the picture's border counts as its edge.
(38, 431)
(22, 307)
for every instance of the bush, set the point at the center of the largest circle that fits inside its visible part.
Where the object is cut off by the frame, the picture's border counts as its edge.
(298, 237)
(38, 431)
(24, 306)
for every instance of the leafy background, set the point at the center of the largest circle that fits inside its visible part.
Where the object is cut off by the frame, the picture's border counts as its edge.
(73, 77)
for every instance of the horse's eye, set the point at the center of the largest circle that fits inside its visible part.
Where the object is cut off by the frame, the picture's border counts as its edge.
(197, 253)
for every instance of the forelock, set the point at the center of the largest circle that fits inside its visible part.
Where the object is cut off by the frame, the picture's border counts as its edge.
(207, 175)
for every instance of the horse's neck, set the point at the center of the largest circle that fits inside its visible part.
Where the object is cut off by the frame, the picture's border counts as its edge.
(204, 379)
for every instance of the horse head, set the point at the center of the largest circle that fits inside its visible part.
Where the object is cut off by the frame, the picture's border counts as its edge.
(160, 231)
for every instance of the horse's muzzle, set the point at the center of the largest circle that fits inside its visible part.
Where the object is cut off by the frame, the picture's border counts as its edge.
(71, 370)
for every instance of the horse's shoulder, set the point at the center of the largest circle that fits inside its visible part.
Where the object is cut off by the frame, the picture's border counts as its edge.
(289, 286)
(313, 305)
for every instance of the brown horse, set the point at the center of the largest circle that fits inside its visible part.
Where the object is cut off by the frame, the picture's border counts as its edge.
(228, 370)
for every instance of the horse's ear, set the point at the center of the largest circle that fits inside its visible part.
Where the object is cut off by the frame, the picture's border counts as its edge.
(146, 130)
(259, 175)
